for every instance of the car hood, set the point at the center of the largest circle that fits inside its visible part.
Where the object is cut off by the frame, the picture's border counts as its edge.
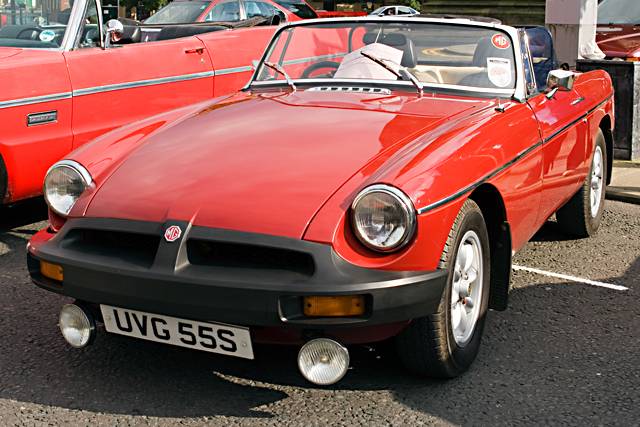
(618, 41)
(263, 163)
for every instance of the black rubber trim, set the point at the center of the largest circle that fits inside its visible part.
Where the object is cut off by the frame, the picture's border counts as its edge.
(173, 286)
(487, 177)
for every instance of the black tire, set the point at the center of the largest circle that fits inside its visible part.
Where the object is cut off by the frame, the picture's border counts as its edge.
(427, 347)
(575, 217)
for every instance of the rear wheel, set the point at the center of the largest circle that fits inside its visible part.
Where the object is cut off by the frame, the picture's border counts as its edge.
(582, 214)
(444, 344)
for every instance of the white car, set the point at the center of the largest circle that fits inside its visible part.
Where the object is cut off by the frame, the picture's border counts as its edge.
(395, 10)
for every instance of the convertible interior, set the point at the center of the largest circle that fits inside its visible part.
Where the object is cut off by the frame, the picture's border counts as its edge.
(433, 60)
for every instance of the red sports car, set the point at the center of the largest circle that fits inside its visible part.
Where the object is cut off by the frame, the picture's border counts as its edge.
(371, 182)
(63, 85)
(187, 11)
(618, 32)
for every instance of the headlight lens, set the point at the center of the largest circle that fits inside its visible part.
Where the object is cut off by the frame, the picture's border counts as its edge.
(383, 218)
(64, 184)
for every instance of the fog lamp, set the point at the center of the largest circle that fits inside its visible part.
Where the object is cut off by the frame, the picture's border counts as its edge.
(51, 271)
(333, 306)
(77, 325)
(323, 361)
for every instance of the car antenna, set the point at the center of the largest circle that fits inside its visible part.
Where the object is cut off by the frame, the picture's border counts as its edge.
(499, 108)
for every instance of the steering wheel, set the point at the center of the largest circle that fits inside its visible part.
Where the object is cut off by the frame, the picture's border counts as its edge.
(319, 66)
(35, 33)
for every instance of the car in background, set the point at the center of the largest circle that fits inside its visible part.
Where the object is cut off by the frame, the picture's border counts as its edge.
(64, 85)
(370, 183)
(395, 10)
(618, 30)
(188, 11)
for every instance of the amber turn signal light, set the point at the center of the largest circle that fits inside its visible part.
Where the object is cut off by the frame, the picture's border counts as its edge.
(51, 271)
(334, 306)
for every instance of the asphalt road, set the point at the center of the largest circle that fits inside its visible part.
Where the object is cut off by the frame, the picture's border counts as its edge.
(564, 353)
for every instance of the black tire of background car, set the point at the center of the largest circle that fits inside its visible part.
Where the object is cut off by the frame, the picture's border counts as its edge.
(574, 218)
(427, 347)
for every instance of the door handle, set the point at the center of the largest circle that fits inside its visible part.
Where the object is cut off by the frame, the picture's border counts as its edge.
(577, 101)
(198, 50)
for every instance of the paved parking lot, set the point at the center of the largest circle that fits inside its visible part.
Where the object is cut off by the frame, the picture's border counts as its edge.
(564, 352)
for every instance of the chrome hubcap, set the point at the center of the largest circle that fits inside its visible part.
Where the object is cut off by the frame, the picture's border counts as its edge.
(466, 288)
(597, 172)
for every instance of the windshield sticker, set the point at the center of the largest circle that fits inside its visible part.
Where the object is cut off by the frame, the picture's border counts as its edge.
(47, 36)
(500, 41)
(499, 71)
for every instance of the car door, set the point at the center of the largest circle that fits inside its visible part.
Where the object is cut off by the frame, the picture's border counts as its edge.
(122, 84)
(35, 119)
(563, 133)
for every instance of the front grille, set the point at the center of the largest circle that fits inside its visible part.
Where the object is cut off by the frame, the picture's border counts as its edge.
(131, 248)
(238, 255)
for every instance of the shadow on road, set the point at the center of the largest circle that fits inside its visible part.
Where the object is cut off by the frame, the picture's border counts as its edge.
(22, 213)
(555, 351)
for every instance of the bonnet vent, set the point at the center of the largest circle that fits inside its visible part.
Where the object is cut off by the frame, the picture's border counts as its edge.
(356, 89)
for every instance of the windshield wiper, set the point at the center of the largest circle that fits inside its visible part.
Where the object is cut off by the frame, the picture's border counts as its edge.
(277, 68)
(402, 73)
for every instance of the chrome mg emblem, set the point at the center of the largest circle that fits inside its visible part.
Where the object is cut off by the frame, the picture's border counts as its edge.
(172, 233)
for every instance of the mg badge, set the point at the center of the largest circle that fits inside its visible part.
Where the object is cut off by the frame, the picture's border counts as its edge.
(173, 233)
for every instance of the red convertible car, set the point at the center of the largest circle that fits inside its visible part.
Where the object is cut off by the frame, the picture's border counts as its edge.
(618, 31)
(63, 85)
(353, 192)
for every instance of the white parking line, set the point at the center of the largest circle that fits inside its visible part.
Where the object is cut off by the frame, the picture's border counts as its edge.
(571, 278)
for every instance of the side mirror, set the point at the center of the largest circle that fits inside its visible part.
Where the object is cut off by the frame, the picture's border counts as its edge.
(559, 80)
(113, 32)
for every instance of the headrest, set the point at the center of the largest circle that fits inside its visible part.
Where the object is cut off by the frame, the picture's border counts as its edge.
(397, 40)
(485, 49)
(391, 39)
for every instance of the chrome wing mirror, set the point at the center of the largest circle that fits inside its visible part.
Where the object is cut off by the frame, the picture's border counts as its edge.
(113, 32)
(559, 80)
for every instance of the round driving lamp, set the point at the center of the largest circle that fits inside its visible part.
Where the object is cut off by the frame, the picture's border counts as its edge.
(76, 325)
(323, 361)
(64, 184)
(383, 218)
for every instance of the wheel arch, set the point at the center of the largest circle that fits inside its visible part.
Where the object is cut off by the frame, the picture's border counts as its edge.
(491, 203)
(4, 180)
(605, 127)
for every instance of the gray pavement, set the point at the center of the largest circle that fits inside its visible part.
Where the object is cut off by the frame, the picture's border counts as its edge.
(563, 353)
(625, 182)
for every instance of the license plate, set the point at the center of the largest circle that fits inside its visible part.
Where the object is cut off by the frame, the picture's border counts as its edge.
(205, 336)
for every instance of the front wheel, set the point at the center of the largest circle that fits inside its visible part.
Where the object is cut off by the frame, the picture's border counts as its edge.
(582, 214)
(444, 344)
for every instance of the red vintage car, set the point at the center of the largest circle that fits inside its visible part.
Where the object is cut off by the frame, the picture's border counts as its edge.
(61, 85)
(187, 11)
(618, 31)
(371, 182)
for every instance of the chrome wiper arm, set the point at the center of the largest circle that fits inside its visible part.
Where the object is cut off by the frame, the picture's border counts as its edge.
(278, 69)
(402, 74)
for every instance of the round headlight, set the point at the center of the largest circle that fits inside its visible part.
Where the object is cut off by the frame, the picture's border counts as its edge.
(383, 218)
(64, 184)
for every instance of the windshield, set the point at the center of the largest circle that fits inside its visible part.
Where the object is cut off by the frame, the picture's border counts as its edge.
(619, 12)
(437, 55)
(299, 8)
(178, 12)
(33, 27)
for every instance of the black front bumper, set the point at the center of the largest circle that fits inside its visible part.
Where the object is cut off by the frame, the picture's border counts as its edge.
(251, 279)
